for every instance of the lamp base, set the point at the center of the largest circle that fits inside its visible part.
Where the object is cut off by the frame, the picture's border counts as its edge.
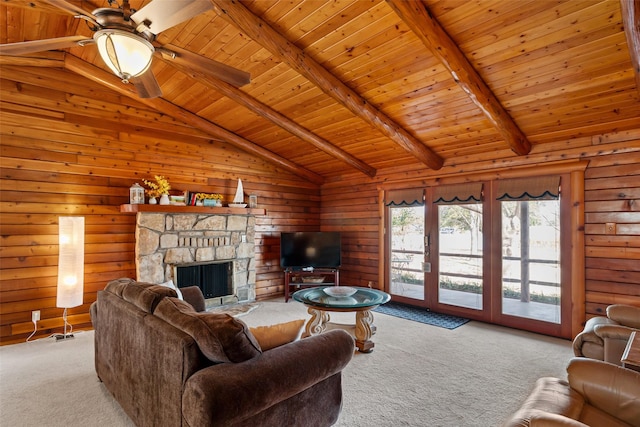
(60, 337)
(66, 335)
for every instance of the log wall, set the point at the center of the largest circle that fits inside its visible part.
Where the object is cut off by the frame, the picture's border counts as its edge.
(612, 213)
(63, 152)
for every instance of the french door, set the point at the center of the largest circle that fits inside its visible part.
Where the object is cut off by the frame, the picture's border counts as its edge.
(490, 251)
(406, 280)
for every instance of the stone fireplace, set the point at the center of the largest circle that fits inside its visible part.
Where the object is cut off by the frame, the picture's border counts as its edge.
(168, 240)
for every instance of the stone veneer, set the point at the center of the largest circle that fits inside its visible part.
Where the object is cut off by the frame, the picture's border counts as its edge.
(164, 240)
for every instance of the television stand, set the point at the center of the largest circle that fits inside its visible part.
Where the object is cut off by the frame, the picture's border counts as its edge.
(298, 279)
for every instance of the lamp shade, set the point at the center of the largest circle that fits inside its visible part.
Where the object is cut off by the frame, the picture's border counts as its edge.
(125, 53)
(70, 261)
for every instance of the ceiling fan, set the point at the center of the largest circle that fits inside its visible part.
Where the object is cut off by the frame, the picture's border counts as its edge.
(125, 39)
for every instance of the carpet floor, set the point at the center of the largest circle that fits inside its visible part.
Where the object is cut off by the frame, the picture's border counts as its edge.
(417, 375)
(422, 315)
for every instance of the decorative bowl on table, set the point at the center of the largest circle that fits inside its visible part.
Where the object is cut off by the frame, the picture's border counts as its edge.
(313, 279)
(340, 291)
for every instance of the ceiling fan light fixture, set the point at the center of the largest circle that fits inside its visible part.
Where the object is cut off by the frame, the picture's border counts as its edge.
(126, 54)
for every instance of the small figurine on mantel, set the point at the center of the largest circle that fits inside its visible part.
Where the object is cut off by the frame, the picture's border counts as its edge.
(238, 199)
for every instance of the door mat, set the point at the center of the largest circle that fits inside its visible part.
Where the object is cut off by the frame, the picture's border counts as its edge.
(422, 315)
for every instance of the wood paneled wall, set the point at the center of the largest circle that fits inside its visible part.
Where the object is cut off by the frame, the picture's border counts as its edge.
(612, 231)
(69, 149)
(612, 199)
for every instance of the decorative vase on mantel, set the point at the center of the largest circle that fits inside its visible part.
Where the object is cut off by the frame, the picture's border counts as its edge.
(153, 201)
(164, 199)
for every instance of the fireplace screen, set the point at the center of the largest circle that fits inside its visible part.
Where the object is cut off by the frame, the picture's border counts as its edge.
(214, 279)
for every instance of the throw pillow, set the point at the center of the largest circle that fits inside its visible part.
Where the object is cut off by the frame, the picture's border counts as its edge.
(276, 335)
(169, 284)
(220, 337)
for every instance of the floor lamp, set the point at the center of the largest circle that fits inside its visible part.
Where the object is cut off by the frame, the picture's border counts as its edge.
(70, 267)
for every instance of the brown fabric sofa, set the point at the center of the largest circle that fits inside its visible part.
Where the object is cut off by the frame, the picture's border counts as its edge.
(169, 365)
(595, 394)
(605, 338)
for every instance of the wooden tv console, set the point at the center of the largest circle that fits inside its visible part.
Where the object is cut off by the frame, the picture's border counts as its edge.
(295, 279)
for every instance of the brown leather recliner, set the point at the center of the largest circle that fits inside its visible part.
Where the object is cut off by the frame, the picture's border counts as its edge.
(605, 338)
(596, 394)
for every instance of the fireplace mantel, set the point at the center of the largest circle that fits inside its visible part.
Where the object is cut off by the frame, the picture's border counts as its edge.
(191, 209)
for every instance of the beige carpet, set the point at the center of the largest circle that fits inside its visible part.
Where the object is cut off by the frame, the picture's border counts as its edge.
(417, 375)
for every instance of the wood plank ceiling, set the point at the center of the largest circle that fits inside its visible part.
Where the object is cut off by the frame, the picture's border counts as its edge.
(348, 86)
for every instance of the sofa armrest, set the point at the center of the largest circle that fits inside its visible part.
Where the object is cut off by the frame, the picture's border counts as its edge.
(615, 332)
(608, 387)
(588, 335)
(627, 315)
(229, 392)
(193, 295)
(546, 419)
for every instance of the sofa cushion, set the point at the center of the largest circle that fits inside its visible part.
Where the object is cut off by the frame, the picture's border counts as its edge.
(220, 337)
(116, 286)
(279, 334)
(145, 296)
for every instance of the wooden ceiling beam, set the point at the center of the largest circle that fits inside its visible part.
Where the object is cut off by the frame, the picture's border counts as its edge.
(52, 61)
(106, 79)
(191, 69)
(418, 18)
(261, 32)
(630, 10)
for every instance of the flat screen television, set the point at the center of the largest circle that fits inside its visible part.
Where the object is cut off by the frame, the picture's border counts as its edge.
(315, 249)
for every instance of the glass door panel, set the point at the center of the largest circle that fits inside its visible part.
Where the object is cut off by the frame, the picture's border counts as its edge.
(531, 259)
(407, 252)
(460, 255)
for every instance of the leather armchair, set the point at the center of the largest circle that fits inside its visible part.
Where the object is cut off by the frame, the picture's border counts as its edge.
(596, 393)
(605, 338)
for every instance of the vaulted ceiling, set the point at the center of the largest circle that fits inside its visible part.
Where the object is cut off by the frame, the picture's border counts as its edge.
(354, 85)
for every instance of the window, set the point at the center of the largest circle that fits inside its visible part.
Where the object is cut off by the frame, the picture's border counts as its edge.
(406, 242)
(530, 212)
(460, 255)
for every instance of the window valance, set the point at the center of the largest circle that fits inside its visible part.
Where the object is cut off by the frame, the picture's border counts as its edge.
(534, 188)
(405, 197)
(459, 193)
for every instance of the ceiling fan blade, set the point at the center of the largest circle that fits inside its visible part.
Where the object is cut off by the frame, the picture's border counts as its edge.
(147, 85)
(70, 8)
(24, 48)
(204, 65)
(162, 14)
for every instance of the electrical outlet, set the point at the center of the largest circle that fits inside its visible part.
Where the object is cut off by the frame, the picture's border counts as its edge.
(35, 315)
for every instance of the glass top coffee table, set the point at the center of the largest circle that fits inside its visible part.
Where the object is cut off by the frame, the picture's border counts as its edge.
(362, 301)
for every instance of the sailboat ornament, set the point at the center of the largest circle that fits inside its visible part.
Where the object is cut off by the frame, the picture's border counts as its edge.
(238, 199)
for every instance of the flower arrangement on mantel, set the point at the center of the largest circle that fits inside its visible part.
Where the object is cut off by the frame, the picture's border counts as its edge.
(158, 188)
(208, 199)
(205, 196)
